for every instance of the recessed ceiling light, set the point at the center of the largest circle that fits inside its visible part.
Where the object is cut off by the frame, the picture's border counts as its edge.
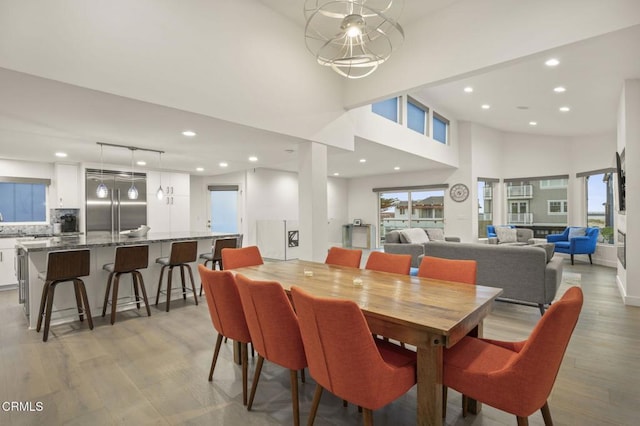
(141, 163)
(253, 158)
(485, 106)
(559, 89)
(565, 109)
(552, 62)
(189, 133)
(61, 154)
(468, 89)
(199, 169)
(363, 160)
(336, 174)
(396, 168)
(522, 107)
(533, 123)
(223, 164)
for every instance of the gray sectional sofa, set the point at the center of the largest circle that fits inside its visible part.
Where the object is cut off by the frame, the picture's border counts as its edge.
(527, 274)
(395, 243)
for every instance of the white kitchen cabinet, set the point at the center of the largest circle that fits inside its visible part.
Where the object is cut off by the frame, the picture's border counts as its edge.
(171, 214)
(7, 261)
(67, 186)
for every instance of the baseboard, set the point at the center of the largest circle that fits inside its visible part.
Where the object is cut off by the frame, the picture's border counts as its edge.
(626, 299)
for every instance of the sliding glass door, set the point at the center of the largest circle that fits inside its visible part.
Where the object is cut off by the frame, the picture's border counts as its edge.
(401, 209)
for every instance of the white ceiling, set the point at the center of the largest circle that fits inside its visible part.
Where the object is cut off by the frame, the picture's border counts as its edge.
(39, 117)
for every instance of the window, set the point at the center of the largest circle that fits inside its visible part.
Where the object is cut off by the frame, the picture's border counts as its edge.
(440, 128)
(387, 108)
(417, 116)
(23, 201)
(557, 207)
(485, 205)
(600, 207)
(553, 183)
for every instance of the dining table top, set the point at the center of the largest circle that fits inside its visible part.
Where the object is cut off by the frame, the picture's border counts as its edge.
(446, 311)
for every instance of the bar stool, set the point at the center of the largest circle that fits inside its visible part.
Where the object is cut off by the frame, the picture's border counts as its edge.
(64, 266)
(215, 255)
(182, 253)
(129, 259)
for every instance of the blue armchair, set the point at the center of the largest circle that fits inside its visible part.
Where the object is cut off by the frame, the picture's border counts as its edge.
(576, 245)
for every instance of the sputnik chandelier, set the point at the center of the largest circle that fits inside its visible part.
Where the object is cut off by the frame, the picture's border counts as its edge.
(353, 37)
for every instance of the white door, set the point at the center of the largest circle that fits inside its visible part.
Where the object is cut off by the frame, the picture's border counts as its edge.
(223, 210)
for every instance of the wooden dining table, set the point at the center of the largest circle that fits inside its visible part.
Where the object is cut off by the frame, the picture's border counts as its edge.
(426, 313)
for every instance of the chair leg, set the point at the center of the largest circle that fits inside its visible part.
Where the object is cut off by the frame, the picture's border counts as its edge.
(106, 294)
(136, 292)
(572, 259)
(465, 405)
(256, 378)
(85, 299)
(303, 378)
(78, 301)
(546, 414)
(523, 421)
(193, 285)
(215, 356)
(314, 405)
(367, 417)
(47, 315)
(184, 287)
(43, 303)
(444, 401)
(590, 260)
(293, 374)
(160, 284)
(542, 308)
(169, 278)
(143, 289)
(244, 355)
(114, 298)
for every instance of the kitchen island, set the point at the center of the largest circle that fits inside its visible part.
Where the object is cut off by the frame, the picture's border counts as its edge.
(32, 259)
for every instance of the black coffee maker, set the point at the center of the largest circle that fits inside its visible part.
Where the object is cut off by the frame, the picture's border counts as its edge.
(68, 223)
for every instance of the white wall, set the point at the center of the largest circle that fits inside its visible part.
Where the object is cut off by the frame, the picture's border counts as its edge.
(338, 207)
(26, 169)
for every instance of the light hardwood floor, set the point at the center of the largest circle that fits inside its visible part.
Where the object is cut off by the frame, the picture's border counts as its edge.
(154, 370)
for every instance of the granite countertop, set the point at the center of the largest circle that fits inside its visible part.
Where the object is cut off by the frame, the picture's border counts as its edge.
(31, 244)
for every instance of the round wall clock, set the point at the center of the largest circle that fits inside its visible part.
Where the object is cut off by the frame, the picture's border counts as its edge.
(459, 192)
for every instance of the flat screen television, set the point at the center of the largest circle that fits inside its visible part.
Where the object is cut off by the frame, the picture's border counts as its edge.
(621, 182)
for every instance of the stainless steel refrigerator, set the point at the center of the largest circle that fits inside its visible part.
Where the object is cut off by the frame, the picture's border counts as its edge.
(116, 212)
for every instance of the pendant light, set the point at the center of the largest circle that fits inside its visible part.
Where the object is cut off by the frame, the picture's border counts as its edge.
(132, 194)
(160, 192)
(102, 191)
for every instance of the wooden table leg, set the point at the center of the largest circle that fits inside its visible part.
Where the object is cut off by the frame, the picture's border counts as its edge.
(429, 378)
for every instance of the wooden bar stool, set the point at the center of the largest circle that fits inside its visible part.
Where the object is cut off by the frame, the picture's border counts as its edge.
(215, 255)
(182, 253)
(64, 266)
(129, 259)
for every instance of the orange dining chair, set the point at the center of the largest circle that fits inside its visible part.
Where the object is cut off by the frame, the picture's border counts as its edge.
(516, 377)
(461, 271)
(227, 316)
(344, 257)
(240, 257)
(274, 330)
(389, 262)
(371, 374)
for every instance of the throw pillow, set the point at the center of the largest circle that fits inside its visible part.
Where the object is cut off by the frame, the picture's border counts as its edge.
(414, 236)
(577, 232)
(435, 234)
(507, 235)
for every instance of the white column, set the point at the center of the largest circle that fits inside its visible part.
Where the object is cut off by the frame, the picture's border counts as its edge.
(312, 199)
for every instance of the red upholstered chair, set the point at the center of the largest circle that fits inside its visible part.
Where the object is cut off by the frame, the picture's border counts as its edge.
(344, 257)
(461, 271)
(241, 257)
(227, 316)
(515, 377)
(388, 262)
(274, 330)
(371, 373)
